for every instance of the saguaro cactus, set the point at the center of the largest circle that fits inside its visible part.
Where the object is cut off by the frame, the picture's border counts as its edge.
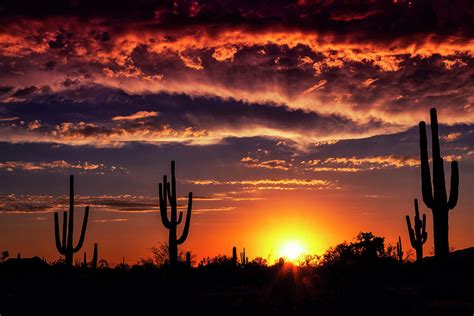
(418, 234)
(243, 259)
(234, 256)
(399, 250)
(66, 247)
(95, 257)
(434, 196)
(167, 192)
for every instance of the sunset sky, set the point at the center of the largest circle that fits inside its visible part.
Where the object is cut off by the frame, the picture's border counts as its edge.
(290, 121)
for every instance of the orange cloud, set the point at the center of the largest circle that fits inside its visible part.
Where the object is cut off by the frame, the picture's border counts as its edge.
(267, 183)
(357, 164)
(136, 116)
(267, 164)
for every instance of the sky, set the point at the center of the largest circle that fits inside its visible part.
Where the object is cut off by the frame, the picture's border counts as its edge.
(290, 121)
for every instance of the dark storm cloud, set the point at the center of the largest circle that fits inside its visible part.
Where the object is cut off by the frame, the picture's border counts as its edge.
(375, 18)
(107, 117)
(322, 69)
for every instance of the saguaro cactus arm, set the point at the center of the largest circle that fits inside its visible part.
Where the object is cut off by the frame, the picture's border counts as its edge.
(64, 229)
(163, 203)
(57, 238)
(411, 232)
(83, 230)
(454, 190)
(70, 228)
(185, 232)
(426, 187)
(180, 218)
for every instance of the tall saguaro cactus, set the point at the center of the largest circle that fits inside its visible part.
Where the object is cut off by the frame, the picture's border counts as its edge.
(65, 245)
(167, 192)
(418, 234)
(434, 192)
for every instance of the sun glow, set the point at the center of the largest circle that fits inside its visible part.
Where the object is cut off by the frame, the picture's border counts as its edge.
(292, 250)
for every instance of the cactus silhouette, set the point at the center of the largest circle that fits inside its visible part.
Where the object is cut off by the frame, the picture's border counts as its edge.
(234, 256)
(94, 257)
(243, 259)
(434, 192)
(84, 262)
(188, 259)
(418, 234)
(65, 245)
(399, 250)
(167, 192)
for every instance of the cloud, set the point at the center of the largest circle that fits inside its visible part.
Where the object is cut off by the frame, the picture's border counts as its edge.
(113, 220)
(136, 116)
(270, 184)
(56, 165)
(288, 65)
(278, 164)
(122, 204)
(357, 164)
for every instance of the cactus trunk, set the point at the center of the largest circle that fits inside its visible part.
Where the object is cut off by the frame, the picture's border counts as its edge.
(441, 232)
(167, 193)
(434, 190)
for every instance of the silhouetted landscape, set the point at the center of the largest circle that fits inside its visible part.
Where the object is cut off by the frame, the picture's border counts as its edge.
(188, 157)
(362, 276)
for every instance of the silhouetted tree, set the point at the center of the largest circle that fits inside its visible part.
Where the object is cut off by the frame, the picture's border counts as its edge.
(434, 192)
(418, 234)
(4, 256)
(167, 192)
(66, 247)
(123, 265)
(102, 264)
(259, 261)
(365, 248)
(161, 255)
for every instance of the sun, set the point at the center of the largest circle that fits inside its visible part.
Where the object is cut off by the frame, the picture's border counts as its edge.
(291, 250)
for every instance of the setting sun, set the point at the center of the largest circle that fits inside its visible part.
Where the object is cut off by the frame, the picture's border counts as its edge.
(291, 250)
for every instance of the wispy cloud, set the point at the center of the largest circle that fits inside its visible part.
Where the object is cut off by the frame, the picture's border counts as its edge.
(136, 116)
(57, 165)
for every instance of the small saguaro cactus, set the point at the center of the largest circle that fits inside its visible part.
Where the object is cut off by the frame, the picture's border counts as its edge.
(95, 257)
(84, 262)
(66, 247)
(243, 259)
(434, 192)
(234, 256)
(399, 250)
(418, 234)
(167, 192)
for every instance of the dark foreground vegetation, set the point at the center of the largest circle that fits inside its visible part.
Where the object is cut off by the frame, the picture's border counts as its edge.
(358, 278)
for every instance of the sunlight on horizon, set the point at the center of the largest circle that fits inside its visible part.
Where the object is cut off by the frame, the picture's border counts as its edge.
(292, 250)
